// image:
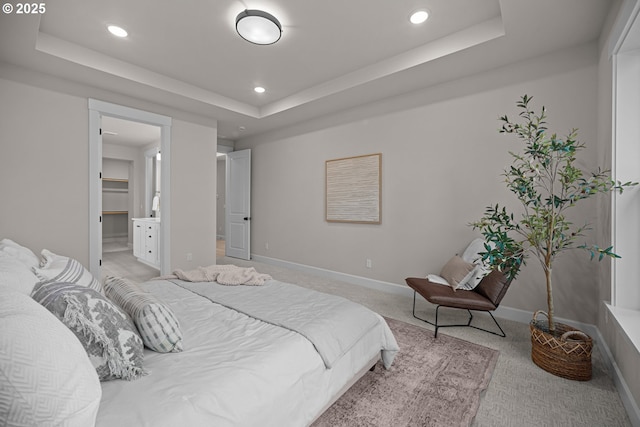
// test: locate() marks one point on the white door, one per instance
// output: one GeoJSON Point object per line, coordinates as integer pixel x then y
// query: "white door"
{"type": "Point", "coordinates": [238, 213]}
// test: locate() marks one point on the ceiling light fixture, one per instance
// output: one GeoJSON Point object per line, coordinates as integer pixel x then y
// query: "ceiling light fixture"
{"type": "Point", "coordinates": [419, 17]}
{"type": "Point", "coordinates": [117, 31]}
{"type": "Point", "coordinates": [258, 27]}
{"type": "Point", "coordinates": [259, 89]}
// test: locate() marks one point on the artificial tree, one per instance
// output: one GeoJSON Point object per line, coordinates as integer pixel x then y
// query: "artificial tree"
{"type": "Point", "coordinates": [547, 184]}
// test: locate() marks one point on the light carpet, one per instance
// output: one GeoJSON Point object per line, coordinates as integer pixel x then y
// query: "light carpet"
{"type": "Point", "coordinates": [519, 394]}
{"type": "Point", "coordinates": [432, 382]}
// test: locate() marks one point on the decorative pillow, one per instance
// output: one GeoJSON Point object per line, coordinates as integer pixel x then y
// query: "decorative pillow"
{"type": "Point", "coordinates": [457, 271]}
{"type": "Point", "coordinates": [15, 276]}
{"type": "Point", "coordinates": [46, 378]}
{"type": "Point", "coordinates": [434, 278]}
{"type": "Point", "coordinates": [58, 268]}
{"type": "Point", "coordinates": [22, 254]}
{"type": "Point", "coordinates": [156, 323]}
{"type": "Point", "coordinates": [472, 254]}
{"type": "Point", "coordinates": [105, 331]}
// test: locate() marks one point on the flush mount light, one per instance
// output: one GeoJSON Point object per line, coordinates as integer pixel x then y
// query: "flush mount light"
{"type": "Point", "coordinates": [419, 17]}
{"type": "Point", "coordinates": [259, 89]}
{"type": "Point", "coordinates": [117, 31]}
{"type": "Point", "coordinates": [259, 27]}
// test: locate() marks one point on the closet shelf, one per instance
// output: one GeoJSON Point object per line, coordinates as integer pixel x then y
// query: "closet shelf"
{"type": "Point", "coordinates": [115, 212]}
{"type": "Point", "coordinates": [115, 179]}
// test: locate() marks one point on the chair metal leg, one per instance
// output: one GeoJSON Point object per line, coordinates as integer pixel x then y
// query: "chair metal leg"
{"type": "Point", "coordinates": [437, 325]}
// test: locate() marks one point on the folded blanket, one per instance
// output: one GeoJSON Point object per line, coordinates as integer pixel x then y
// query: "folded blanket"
{"type": "Point", "coordinates": [223, 274]}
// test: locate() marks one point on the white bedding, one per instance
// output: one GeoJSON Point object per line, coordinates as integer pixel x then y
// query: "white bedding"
{"type": "Point", "coordinates": [235, 371]}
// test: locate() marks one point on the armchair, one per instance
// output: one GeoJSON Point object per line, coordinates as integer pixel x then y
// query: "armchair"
{"type": "Point", "coordinates": [486, 296]}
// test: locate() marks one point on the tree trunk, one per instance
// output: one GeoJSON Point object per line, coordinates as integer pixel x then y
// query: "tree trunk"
{"type": "Point", "coordinates": [552, 325]}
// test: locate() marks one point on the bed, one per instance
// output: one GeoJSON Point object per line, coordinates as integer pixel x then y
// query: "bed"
{"type": "Point", "coordinates": [276, 354]}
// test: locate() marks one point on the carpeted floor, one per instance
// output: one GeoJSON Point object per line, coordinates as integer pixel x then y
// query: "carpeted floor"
{"type": "Point", "coordinates": [432, 382]}
{"type": "Point", "coordinates": [519, 393]}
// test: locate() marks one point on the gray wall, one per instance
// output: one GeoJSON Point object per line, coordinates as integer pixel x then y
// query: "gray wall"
{"type": "Point", "coordinates": [44, 167]}
{"type": "Point", "coordinates": [441, 166]}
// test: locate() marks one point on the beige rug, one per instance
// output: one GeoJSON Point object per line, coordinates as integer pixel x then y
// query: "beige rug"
{"type": "Point", "coordinates": [433, 382]}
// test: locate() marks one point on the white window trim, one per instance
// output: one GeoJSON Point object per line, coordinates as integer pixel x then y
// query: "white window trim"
{"type": "Point", "coordinates": [625, 274]}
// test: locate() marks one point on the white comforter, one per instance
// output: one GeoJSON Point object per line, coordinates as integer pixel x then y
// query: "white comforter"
{"type": "Point", "coordinates": [235, 371]}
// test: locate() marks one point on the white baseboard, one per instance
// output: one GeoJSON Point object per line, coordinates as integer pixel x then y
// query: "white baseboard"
{"type": "Point", "coordinates": [343, 277]}
{"type": "Point", "coordinates": [517, 315]}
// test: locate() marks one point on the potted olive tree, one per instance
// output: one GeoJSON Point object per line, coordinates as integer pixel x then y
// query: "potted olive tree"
{"type": "Point", "coordinates": [547, 184]}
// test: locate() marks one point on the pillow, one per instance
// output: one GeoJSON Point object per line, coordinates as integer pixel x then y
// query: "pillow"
{"type": "Point", "coordinates": [46, 377]}
{"type": "Point", "coordinates": [472, 254]}
{"type": "Point", "coordinates": [15, 276]}
{"type": "Point", "coordinates": [58, 268]}
{"type": "Point", "coordinates": [457, 271]}
{"type": "Point", "coordinates": [105, 331]}
{"type": "Point", "coordinates": [434, 278]}
{"type": "Point", "coordinates": [156, 323]}
{"type": "Point", "coordinates": [22, 254]}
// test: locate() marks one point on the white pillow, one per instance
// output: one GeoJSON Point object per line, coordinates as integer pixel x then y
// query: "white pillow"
{"type": "Point", "coordinates": [439, 280]}
{"type": "Point", "coordinates": [22, 254]}
{"type": "Point", "coordinates": [46, 376]}
{"type": "Point", "coordinates": [471, 254]}
{"type": "Point", "coordinates": [58, 268]}
{"type": "Point", "coordinates": [15, 276]}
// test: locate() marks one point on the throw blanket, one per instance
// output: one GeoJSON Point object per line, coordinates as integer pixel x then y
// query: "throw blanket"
{"type": "Point", "coordinates": [332, 324]}
{"type": "Point", "coordinates": [223, 274]}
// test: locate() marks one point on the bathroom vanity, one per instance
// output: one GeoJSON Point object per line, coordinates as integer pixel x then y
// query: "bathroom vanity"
{"type": "Point", "coordinates": [146, 241]}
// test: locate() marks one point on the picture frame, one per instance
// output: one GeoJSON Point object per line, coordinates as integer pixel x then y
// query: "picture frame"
{"type": "Point", "coordinates": [353, 189]}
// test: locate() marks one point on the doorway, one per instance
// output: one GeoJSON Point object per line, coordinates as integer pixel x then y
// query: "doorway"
{"type": "Point", "coordinates": [221, 203]}
{"type": "Point", "coordinates": [130, 185]}
{"type": "Point", "coordinates": [102, 116]}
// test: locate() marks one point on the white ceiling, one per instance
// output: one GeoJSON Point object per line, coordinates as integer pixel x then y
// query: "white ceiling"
{"type": "Point", "coordinates": [129, 133]}
{"type": "Point", "coordinates": [333, 56]}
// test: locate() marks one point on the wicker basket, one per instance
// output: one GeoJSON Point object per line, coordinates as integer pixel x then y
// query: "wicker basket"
{"type": "Point", "coordinates": [566, 354]}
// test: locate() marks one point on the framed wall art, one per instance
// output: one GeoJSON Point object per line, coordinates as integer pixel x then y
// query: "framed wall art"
{"type": "Point", "coordinates": [353, 189]}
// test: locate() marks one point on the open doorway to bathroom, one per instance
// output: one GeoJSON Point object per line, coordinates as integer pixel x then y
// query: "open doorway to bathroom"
{"type": "Point", "coordinates": [130, 189]}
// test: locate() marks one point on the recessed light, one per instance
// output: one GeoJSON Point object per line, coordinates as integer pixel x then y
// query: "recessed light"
{"type": "Point", "coordinates": [259, 89]}
{"type": "Point", "coordinates": [117, 31]}
{"type": "Point", "coordinates": [419, 17]}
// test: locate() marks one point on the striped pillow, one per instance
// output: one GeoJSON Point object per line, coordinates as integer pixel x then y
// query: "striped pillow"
{"type": "Point", "coordinates": [58, 268]}
{"type": "Point", "coordinates": [156, 323]}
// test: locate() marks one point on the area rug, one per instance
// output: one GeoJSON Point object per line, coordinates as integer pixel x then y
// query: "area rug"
{"type": "Point", "coordinates": [433, 382]}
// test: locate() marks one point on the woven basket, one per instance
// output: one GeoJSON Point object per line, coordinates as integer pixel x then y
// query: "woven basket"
{"type": "Point", "coordinates": [566, 354]}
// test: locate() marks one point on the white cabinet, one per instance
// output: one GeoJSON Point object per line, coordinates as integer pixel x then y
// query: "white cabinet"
{"type": "Point", "coordinates": [146, 241]}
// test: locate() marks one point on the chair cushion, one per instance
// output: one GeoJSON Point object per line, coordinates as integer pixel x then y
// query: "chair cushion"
{"type": "Point", "coordinates": [446, 296]}
{"type": "Point", "coordinates": [493, 286]}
